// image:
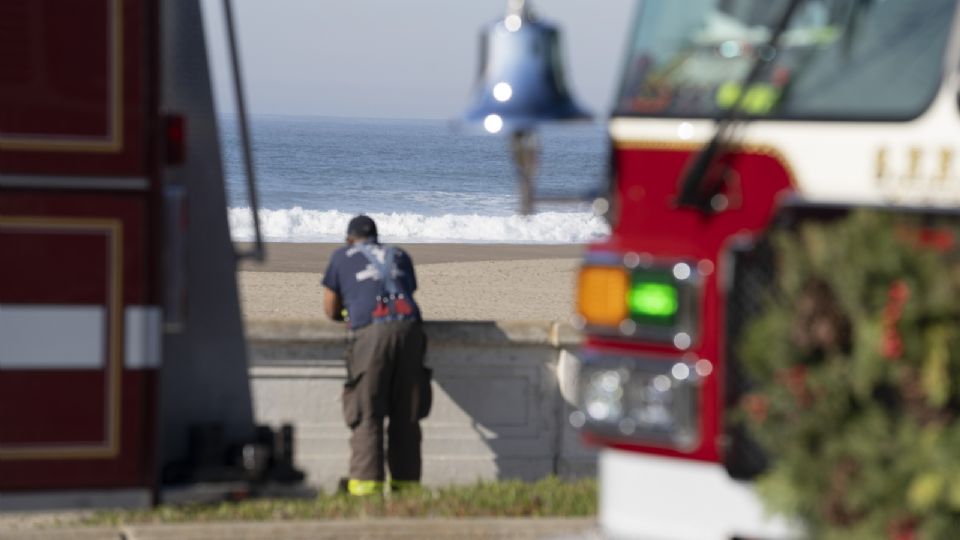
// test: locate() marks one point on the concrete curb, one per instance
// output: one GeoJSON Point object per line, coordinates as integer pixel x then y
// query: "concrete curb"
{"type": "Point", "coordinates": [355, 529]}
{"type": "Point", "coordinates": [486, 333]}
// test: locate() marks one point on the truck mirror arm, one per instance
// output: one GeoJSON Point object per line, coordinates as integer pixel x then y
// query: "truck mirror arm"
{"type": "Point", "coordinates": [258, 252]}
{"type": "Point", "coordinates": [695, 179]}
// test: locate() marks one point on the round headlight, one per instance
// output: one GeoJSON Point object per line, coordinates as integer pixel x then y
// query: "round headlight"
{"type": "Point", "coordinates": [651, 400]}
{"type": "Point", "coordinates": [603, 396]}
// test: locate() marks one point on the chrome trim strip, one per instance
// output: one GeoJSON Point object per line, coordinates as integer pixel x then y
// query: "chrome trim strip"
{"type": "Point", "coordinates": [74, 182]}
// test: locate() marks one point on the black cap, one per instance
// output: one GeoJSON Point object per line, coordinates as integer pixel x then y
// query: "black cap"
{"type": "Point", "coordinates": [362, 227]}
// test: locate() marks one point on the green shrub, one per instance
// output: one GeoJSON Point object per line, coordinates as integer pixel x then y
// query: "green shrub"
{"type": "Point", "coordinates": [857, 365]}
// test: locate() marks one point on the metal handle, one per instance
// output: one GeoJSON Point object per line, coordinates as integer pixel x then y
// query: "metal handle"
{"type": "Point", "coordinates": [258, 252]}
{"type": "Point", "coordinates": [517, 7]}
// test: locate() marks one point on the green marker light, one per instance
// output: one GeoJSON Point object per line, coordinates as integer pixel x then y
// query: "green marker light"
{"type": "Point", "coordinates": [653, 299]}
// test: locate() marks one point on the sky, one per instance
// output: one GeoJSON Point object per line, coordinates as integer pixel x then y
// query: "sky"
{"type": "Point", "coordinates": [397, 58]}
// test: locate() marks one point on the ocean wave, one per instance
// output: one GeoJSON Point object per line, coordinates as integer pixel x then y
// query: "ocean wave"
{"type": "Point", "coordinates": [303, 225]}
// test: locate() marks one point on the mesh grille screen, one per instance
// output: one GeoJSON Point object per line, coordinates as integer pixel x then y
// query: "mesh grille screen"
{"type": "Point", "coordinates": [753, 281]}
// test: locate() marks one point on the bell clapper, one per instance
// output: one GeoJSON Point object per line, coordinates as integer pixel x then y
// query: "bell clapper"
{"type": "Point", "coordinates": [526, 155]}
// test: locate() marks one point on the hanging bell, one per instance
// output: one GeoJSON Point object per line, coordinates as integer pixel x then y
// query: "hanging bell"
{"type": "Point", "coordinates": [521, 77]}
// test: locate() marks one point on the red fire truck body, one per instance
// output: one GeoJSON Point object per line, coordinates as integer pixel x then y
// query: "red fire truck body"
{"type": "Point", "coordinates": [836, 120]}
{"type": "Point", "coordinates": [79, 296]}
{"type": "Point", "coordinates": [102, 366]}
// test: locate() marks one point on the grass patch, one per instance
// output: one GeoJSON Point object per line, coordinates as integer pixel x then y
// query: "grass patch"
{"type": "Point", "coordinates": [550, 497]}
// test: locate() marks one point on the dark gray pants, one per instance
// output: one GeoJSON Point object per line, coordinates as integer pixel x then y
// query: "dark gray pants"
{"type": "Point", "coordinates": [386, 379]}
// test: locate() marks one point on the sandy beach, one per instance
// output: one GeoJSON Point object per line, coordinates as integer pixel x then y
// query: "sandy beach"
{"type": "Point", "coordinates": [457, 281]}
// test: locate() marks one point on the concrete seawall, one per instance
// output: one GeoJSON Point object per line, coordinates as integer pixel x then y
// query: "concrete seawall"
{"type": "Point", "coordinates": [499, 409]}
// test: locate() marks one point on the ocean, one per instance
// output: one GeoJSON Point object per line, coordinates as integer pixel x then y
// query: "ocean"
{"type": "Point", "coordinates": [421, 180]}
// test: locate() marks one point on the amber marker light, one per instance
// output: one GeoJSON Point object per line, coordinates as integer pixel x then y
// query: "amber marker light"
{"type": "Point", "coordinates": [602, 295]}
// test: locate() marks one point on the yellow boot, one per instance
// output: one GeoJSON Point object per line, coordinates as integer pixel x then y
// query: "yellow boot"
{"type": "Point", "coordinates": [364, 488]}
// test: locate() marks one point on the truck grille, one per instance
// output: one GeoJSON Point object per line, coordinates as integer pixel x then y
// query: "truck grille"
{"type": "Point", "coordinates": [753, 280]}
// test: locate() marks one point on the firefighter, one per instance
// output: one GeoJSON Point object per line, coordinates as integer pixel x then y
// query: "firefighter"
{"type": "Point", "coordinates": [386, 376]}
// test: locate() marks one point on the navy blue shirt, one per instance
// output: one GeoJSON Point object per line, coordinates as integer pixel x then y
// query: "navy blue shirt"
{"type": "Point", "coordinates": [351, 275]}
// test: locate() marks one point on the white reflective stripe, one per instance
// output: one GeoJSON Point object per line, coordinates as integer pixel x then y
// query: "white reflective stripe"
{"type": "Point", "coordinates": [52, 336]}
{"type": "Point", "coordinates": [143, 332]}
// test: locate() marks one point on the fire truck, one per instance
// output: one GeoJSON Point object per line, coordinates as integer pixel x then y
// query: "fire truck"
{"type": "Point", "coordinates": [122, 353]}
{"type": "Point", "coordinates": [731, 114]}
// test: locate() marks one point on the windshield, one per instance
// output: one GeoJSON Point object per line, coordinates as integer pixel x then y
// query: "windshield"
{"type": "Point", "coordinates": [838, 59]}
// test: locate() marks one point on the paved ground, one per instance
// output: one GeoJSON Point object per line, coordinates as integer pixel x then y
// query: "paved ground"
{"type": "Point", "coordinates": [32, 528]}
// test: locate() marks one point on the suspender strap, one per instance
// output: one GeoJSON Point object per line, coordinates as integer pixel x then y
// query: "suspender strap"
{"type": "Point", "coordinates": [386, 269]}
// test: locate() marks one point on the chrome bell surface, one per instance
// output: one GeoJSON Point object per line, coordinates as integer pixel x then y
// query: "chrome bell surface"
{"type": "Point", "coordinates": [521, 80]}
